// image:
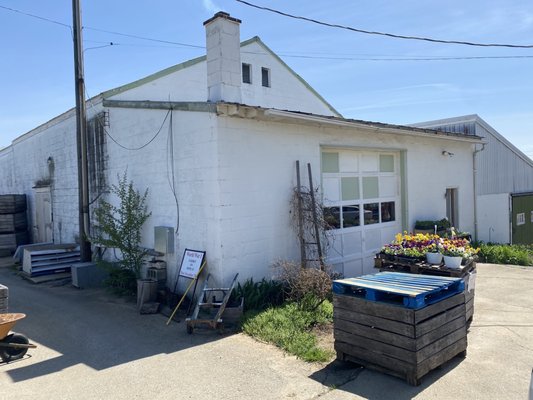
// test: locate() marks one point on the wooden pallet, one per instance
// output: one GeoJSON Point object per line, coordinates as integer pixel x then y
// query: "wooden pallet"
{"type": "Point", "coordinates": [384, 262]}
{"type": "Point", "coordinates": [406, 290]}
{"type": "Point", "coordinates": [399, 341]}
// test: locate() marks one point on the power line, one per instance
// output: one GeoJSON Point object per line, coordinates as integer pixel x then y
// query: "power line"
{"type": "Point", "coordinates": [101, 30]}
{"type": "Point", "coordinates": [37, 17]}
{"type": "Point", "coordinates": [145, 38]}
{"type": "Point", "coordinates": [392, 35]}
{"type": "Point", "coordinates": [99, 47]}
{"type": "Point", "coordinates": [284, 54]}
{"type": "Point", "coordinates": [402, 58]}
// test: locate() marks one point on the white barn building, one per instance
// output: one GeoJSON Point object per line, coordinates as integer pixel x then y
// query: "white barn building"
{"type": "Point", "coordinates": [503, 182]}
{"type": "Point", "coordinates": [219, 161]}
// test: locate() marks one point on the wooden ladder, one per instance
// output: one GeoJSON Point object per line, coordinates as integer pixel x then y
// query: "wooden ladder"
{"type": "Point", "coordinates": [314, 240]}
{"type": "Point", "coordinates": [207, 301]}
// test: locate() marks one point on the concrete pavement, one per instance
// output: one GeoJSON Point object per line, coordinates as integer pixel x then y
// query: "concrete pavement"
{"type": "Point", "coordinates": [95, 346]}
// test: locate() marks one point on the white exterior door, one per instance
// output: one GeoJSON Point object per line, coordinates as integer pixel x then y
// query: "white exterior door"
{"type": "Point", "coordinates": [361, 197]}
{"type": "Point", "coordinates": [43, 228]}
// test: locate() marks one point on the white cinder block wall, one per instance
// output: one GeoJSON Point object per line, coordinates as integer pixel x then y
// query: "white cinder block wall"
{"type": "Point", "coordinates": [47, 153]}
{"type": "Point", "coordinates": [7, 177]}
{"type": "Point", "coordinates": [257, 177]}
{"type": "Point", "coordinates": [195, 175]}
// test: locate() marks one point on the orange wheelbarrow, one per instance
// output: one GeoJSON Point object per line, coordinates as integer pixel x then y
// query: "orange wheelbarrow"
{"type": "Point", "coordinates": [12, 345]}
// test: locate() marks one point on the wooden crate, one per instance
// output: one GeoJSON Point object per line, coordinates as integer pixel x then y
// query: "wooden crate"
{"type": "Point", "coordinates": [403, 342]}
{"type": "Point", "coordinates": [12, 203]}
{"type": "Point", "coordinates": [10, 223]}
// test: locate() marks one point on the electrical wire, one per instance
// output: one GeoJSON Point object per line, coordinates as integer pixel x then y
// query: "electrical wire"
{"type": "Point", "coordinates": [98, 47]}
{"type": "Point", "coordinates": [402, 58]}
{"type": "Point", "coordinates": [172, 183]}
{"type": "Point", "coordinates": [289, 54]}
{"type": "Point", "coordinates": [391, 35]}
{"type": "Point", "coordinates": [144, 145]}
{"type": "Point", "coordinates": [101, 30]}
{"type": "Point", "coordinates": [89, 100]}
{"type": "Point", "coordinates": [144, 38]}
{"type": "Point", "coordinates": [37, 17]}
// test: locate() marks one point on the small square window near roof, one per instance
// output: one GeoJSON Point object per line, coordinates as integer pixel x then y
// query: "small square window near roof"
{"type": "Point", "coordinates": [246, 73]}
{"type": "Point", "coordinates": [265, 77]}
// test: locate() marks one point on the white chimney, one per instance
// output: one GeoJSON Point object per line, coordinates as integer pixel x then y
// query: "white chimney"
{"type": "Point", "coordinates": [223, 58]}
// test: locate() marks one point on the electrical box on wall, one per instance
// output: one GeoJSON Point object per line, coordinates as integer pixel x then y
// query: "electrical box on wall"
{"type": "Point", "coordinates": [164, 239]}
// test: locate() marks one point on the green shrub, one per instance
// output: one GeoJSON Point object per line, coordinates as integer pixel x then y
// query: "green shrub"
{"type": "Point", "coordinates": [120, 281]}
{"type": "Point", "coordinates": [259, 295]}
{"type": "Point", "coordinates": [119, 226]}
{"type": "Point", "coordinates": [289, 327]}
{"type": "Point", "coordinates": [442, 224]}
{"type": "Point", "coordinates": [505, 254]}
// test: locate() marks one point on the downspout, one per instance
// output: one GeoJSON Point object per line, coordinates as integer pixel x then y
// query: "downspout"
{"type": "Point", "coordinates": [474, 168]}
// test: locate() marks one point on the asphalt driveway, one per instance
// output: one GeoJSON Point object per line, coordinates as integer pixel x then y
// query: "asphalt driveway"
{"type": "Point", "coordinates": [95, 346]}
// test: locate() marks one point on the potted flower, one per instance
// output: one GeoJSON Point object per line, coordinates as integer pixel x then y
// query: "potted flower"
{"type": "Point", "coordinates": [434, 251]}
{"type": "Point", "coordinates": [455, 250]}
{"type": "Point", "coordinates": [409, 247]}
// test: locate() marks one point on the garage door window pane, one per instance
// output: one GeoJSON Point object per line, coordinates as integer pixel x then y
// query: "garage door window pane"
{"type": "Point", "coordinates": [350, 216]}
{"type": "Point", "coordinates": [350, 188]}
{"type": "Point", "coordinates": [332, 217]}
{"type": "Point", "coordinates": [371, 213]}
{"type": "Point", "coordinates": [370, 187]}
{"type": "Point", "coordinates": [388, 212]}
{"type": "Point", "coordinates": [330, 162]}
{"type": "Point", "coordinates": [386, 163]}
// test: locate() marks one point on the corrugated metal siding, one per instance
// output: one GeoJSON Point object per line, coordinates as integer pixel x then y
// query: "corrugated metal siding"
{"type": "Point", "coordinates": [468, 128]}
{"type": "Point", "coordinates": [501, 170]}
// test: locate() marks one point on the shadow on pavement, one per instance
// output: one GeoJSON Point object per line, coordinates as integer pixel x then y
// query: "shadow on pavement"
{"type": "Point", "coordinates": [355, 379]}
{"type": "Point", "coordinates": [90, 326]}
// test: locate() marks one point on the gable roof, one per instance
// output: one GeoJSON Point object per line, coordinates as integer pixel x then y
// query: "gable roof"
{"type": "Point", "coordinates": [197, 60]}
{"type": "Point", "coordinates": [477, 120]}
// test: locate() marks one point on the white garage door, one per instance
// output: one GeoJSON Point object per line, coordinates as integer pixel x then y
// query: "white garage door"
{"type": "Point", "coordinates": [361, 197]}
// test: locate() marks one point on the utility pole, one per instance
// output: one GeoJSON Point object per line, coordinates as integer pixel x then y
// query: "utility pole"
{"type": "Point", "coordinates": [81, 135]}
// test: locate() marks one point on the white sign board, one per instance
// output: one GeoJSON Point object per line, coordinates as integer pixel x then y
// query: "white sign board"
{"type": "Point", "coordinates": [191, 262]}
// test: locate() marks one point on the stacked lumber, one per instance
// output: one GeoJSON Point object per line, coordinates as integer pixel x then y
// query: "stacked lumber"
{"type": "Point", "coordinates": [13, 223]}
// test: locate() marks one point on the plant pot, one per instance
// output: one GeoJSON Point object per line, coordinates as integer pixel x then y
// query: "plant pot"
{"type": "Point", "coordinates": [434, 258]}
{"type": "Point", "coordinates": [453, 262]}
{"type": "Point", "coordinates": [146, 291]}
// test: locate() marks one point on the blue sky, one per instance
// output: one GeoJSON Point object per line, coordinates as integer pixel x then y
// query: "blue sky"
{"type": "Point", "coordinates": [36, 67]}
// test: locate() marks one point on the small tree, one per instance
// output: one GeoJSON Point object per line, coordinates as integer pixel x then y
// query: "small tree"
{"type": "Point", "coordinates": [119, 227]}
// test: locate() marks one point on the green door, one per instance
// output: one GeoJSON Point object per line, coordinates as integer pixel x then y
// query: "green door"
{"type": "Point", "coordinates": [522, 218]}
